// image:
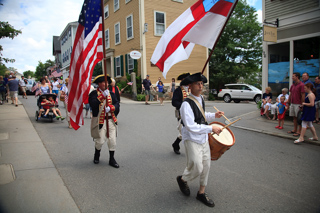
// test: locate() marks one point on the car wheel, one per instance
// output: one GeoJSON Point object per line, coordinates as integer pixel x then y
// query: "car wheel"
{"type": "Point", "coordinates": [227, 98]}
{"type": "Point", "coordinates": [257, 98]}
{"type": "Point", "coordinates": [236, 101]}
{"type": "Point", "coordinates": [37, 115]}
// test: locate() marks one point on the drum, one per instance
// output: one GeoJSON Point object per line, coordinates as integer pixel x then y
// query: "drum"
{"type": "Point", "coordinates": [219, 144]}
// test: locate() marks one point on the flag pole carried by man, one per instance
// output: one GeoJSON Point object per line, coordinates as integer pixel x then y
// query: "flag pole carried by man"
{"type": "Point", "coordinates": [201, 24]}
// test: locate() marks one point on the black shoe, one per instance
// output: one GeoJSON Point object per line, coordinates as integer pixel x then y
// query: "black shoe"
{"type": "Point", "coordinates": [113, 163]}
{"type": "Point", "coordinates": [204, 199]}
{"type": "Point", "coordinates": [176, 146]}
{"type": "Point", "coordinates": [96, 156]}
{"type": "Point", "coordinates": [184, 188]}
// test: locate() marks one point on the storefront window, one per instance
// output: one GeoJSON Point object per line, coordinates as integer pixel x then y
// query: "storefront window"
{"type": "Point", "coordinates": [278, 67]}
{"type": "Point", "coordinates": [306, 57]}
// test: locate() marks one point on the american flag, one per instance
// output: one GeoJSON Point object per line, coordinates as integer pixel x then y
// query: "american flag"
{"type": "Point", "coordinates": [34, 87]}
{"type": "Point", "coordinates": [57, 73]}
{"type": "Point", "coordinates": [130, 83]}
{"type": "Point", "coordinates": [87, 51]}
{"type": "Point", "coordinates": [37, 92]}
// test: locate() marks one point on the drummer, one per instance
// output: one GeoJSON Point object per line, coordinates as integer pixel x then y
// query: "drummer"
{"type": "Point", "coordinates": [195, 137]}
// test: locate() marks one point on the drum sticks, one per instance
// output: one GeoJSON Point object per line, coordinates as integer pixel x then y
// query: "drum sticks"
{"type": "Point", "coordinates": [222, 115]}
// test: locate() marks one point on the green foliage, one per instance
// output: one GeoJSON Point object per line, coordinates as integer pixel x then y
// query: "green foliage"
{"type": "Point", "coordinates": [7, 31]}
{"type": "Point", "coordinates": [239, 49]}
{"type": "Point", "coordinates": [3, 69]}
{"type": "Point", "coordinates": [259, 104]}
{"type": "Point", "coordinates": [141, 97]}
{"type": "Point", "coordinates": [211, 97]}
{"type": "Point", "coordinates": [41, 69]}
{"type": "Point", "coordinates": [28, 73]}
{"type": "Point", "coordinates": [97, 69]}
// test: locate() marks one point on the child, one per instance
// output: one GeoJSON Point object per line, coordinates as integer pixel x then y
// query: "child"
{"type": "Point", "coordinates": [44, 107]}
{"type": "Point", "coordinates": [267, 108]}
{"type": "Point", "coordinates": [281, 110]}
{"type": "Point", "coordinates": [54, 109]}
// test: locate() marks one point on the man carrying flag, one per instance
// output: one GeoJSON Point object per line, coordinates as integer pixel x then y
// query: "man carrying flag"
{"type": "Point", "coordinates": [201, 24]}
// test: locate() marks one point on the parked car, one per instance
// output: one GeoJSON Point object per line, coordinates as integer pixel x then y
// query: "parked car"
{"type": "Point", "coordinates": [240, 92]}
{"type": "Point", "coordinates": [29, 87]}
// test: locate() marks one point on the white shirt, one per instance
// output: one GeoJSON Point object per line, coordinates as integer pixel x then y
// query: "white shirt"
{"type": "Point", "coordinates": [191, 130]}
{"type": "Point", "coordinates": [65, 90]}
{"type": "Point", "coordinates": [54, 85]}
{"type": "Point", "coordinates": [22, 83]}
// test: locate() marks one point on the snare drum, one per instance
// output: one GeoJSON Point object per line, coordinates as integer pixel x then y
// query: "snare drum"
{"type": "Point", "coordinates": [219, 144]}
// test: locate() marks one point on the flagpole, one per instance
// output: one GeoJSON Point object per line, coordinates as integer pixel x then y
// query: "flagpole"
{"type": "Point", "coordinates": [103, 45]}
{"type": "Point", "coordinates": [230, 12]}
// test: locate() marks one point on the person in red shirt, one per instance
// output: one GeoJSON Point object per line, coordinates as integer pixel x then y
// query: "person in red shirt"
{"type": "Point", "coordinates": [296, 97]}
{"type": "Point", "coordinates": [54, 109]}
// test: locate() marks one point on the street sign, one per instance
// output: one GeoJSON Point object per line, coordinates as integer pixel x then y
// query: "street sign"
{"type": "Point", "coordinates": [135, 54]}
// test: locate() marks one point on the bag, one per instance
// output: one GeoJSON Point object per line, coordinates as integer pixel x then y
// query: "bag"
{"type": "Point", "coordinates": [62, 97]}
{"type": "Point", "coordinates": [163, 91]}
{"type": "Point", "coordinates": [299, 117]}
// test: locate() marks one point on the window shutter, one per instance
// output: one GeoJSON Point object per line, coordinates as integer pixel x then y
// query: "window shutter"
{"type": "Point", "coordinates": [114, 67]}
{"type": "Point", "coordinates": [135, 64]}
{"type": "Point", "coordinates": [121, 64]}
{"type": "Point", "coordinates": [126, 62]}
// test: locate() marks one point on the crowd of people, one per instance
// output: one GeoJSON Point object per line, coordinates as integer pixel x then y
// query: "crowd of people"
{"type": "Point", "coordinates": [303, 104]}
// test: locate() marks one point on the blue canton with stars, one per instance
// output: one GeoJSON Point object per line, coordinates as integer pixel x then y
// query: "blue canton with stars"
{"type": "Point", "coordinates": [89, 16]}
{"type": "Point", "coordinates": [208, 4]}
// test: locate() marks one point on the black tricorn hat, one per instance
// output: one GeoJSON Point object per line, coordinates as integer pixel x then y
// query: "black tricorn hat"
{"type": "Point", "coordinates": [182, 76]}
{"type": "Point", "coordinates": [100, 78]}
{"type": "Point", "coordinates": [194, 78]}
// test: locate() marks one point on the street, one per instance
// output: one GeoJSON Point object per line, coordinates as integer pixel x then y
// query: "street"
{"type": "Point", "coordinates": [259, 173]}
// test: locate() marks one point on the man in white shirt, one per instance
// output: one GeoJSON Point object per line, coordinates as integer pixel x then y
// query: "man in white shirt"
{"type": "Point", "coordinates": [195, 132]}
{"type": "Point", "coordinates": [22, 85]}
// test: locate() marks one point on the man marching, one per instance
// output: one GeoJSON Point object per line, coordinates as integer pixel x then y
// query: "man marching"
{"type": "Point", "coordinates": [105, 108]}
{"type": "Point", "coordinates": [179, 95]}
{"type": "Point", "coordinates": [195, 137]}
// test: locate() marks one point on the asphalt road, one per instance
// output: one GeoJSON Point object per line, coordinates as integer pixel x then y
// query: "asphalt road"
{"type": "Point", "coordinates": [260, 173]}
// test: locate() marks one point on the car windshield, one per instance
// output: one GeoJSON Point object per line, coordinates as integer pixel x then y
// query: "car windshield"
{"type": "Point", "coordinates": [253, 88]}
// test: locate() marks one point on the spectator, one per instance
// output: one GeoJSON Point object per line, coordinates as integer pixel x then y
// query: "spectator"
{"type": "Point", "coordinates": [22, 85]}
{"type": "Point", "coordinates": [6, 80]}
{"type": "Point", "coordinates": [172, 87]}
{"type": "Point", "coordinates": [266, 102]}
{"type": "Point", "coordinates": [281, 110]}
{"type": "Point", "coordinates": [55, 86]}
{"type": "Point", "coordinates": [305, 79]}
{"type": "Point", "coordinates": [159, 79]}
{"type": "Point", "coordinates": [44, 87]}
{"type": "Point", "coordinates": [317, 103]}
{"type": "Point", "coordinates": [274, 106]}
{"type": "Point", "coordinates": [160, 92]}
{"type": "Point", "coordinates": [3, 88]}
{"type": "Point", "coordinates": [296, 97]}
{"type": "Point", "coordinates": [309, 111]}
{"type": "Point", "coordinates": [146, 84]}
{"type": "Point", "coordinates": [13, 88]}
{"type": "Point", "coordinates": [64, 96]}
{"type": "Point", "coordinates": [115, 89]}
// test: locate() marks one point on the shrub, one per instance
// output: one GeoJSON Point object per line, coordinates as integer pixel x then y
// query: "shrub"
{"type": "Point", "coordinates": [259, 104]}
{"type": "Point", "coordinates": [141, 97]}
{"type": "Point", "coordinates": [211, 97]}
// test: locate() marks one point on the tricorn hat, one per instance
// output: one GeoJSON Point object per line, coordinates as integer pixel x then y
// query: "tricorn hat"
{"type": "Point", "coordinates": [100, 78]}
{"type": "Point", "coordinates": [182, 76]}
{"type": "Point", "coordinates": [194, 78]}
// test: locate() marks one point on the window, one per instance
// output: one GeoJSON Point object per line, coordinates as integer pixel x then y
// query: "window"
{"type": "Point", "coordinates": [70, 33]}
{"type": "Point", "coordinates": [118, 66]}
{"type": "Point", "coordinates": [116, 5]}
{"type": "Point", "coordinates": [117, 33]}
{"type": "Point", "coordinates": [129, 27]}
{"type": "Point", "coordinates": [127, 1]}
{"type": "Point", "coordinates": [70, 52]}
{"type": "Point", "coordinates": [106, 34]}
{"type": "Point", "coordinates": [106, 11]}
{"type": "Point", "coordinates": [159, 23]}
{"type": "Point", "coordinates": [130, 63]}
{"type": "Point", "coordinates": [178, 1]}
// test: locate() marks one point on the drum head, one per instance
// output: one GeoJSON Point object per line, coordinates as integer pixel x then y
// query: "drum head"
{"type": "Point", "coordinates": [226, 137]}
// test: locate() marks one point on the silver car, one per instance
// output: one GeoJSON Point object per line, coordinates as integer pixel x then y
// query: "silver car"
{"type": "Point", "coordinates": [29, 86]}
{"type": "Point", "coordinates": [240, 92]}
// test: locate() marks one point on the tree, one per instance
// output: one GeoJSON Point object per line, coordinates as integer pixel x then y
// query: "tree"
{"type": "Point", "coordinates": [97, 69]}
{"type": "Point", "coordinates": [6, 30]}
{"type": "Point", "coordinates": [41, 69]}
{"type": "Point", "coordinates": [3, 69]}
{"type": "Point", "coordinates": [28, 73]}
{"type": "Point", "coordinates": [239, 49]}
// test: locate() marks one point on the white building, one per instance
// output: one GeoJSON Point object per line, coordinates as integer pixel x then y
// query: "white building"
{"type": "Point", "coordinates": [297, 45]}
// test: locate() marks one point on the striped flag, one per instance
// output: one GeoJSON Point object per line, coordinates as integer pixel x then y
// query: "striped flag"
{"type": "Point", "coordinates": [200, 24]}
{"type": "Point", "coordinates": [87, 51]}
{"type": "Point", "coordinates": [57, 73]}
{"type": "Point", "coordinates": [37, 92]}
{"type": "Point", "coordinates": [130, 83]}
{"type": "Point", "coordinates": [34, 87]}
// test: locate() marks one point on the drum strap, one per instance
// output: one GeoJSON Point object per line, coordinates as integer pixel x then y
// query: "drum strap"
{"type": "Point", "coordinates": [199, 106]}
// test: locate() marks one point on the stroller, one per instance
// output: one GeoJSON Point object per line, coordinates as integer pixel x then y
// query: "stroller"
{"type": "Point", "coordinates": [50, 115]}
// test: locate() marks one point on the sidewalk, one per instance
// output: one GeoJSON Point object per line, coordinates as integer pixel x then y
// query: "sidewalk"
{"type": "Point", "coordinates": [29, 181]}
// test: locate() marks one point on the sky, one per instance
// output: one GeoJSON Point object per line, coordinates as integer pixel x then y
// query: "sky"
{"type": "Point", "coordinates": [39, 21]}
